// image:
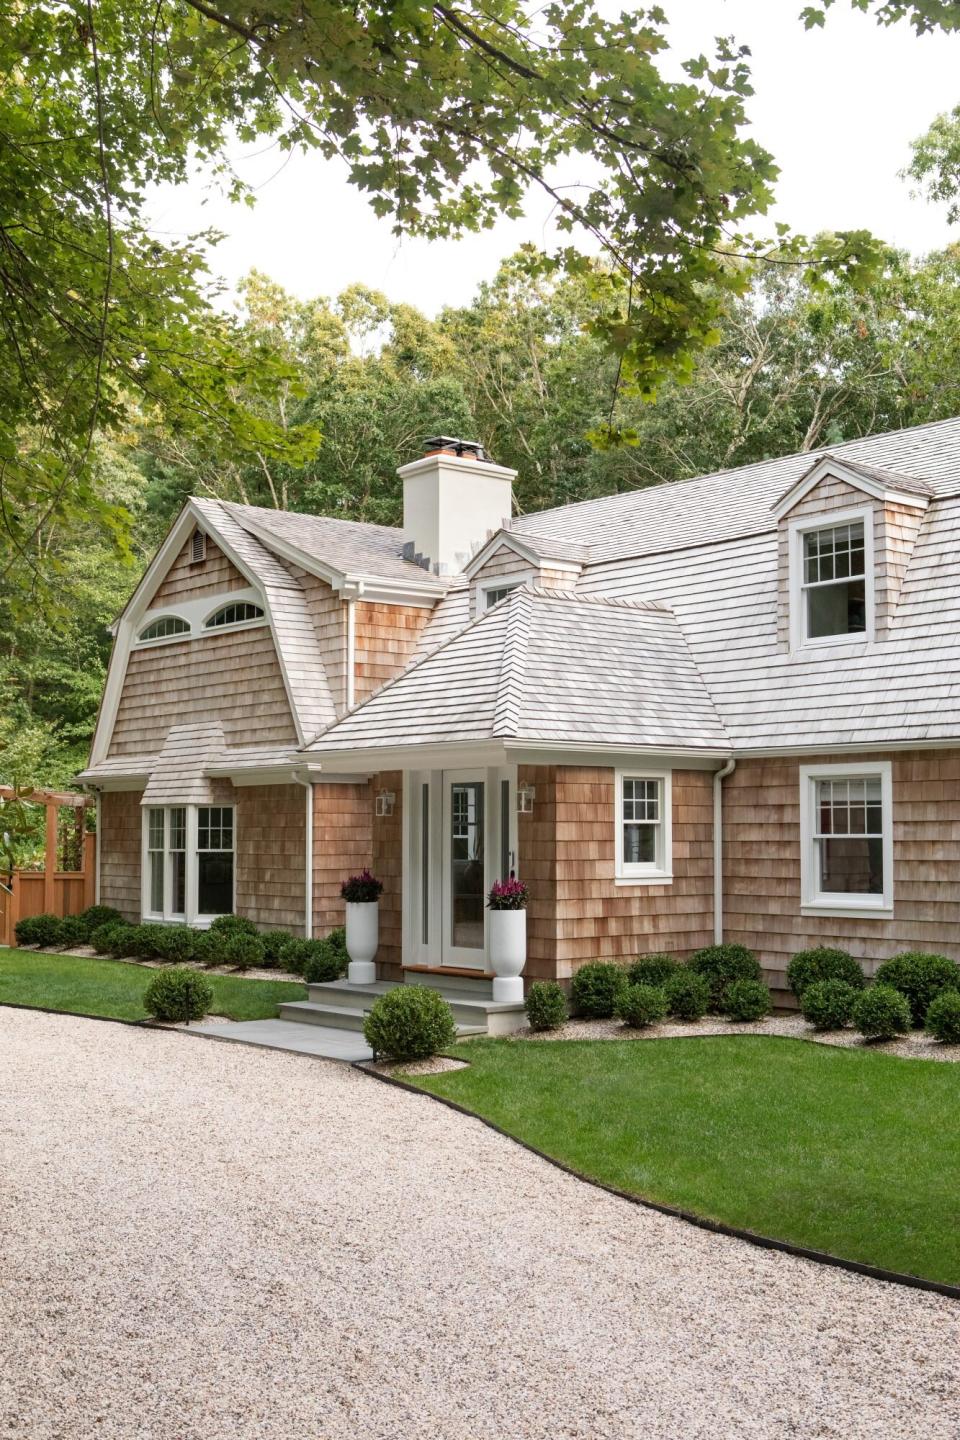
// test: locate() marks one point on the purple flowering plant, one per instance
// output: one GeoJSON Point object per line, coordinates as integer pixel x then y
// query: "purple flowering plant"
{"type": "Point", "coordinates": [361, 889]}
{"type": "Point", "coordinates": [508, 895]}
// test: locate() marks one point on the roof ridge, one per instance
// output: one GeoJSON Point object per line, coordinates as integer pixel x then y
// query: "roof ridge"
{"type": "Point", "coordinates": [506, 711]}
{"type": "Point", "coordinates": [613, 602]}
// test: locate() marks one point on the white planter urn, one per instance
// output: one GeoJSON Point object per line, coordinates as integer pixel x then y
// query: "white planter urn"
{"type": "Point", "coordinates": [508, 954]}
{"type": "Point", "coordinates": [363, 937]}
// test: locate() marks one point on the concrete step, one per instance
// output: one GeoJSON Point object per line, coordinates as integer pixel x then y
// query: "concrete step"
{"type": "Point", "coordinates": [337, 1017]}
{"type": "Point", "coordinates": [473, 987]}
{"type": "Point", "coordinates": [341, 1003]}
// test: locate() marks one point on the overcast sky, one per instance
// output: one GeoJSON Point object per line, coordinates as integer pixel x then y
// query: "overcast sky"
{"type": "Point", "coordinates": [836, 107]}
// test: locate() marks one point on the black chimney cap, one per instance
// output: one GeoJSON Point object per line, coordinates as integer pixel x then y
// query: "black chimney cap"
{"type": "Point", "coordinates": [459, 447]}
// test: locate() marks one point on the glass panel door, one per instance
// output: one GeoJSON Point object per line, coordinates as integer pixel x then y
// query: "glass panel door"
{"type": "Point", "coordinates": [467, 889]}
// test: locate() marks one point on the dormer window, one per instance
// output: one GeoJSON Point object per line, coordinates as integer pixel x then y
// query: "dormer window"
{"type": "Point", "coordinates": [241, 613]}
{"type": "Point", "coordinates": [832, 580]}
{"type": "Point", "coordinates": [496, 593]}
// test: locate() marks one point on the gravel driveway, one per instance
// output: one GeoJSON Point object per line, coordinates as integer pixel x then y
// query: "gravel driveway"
{"type": "Point", "coordinates": [204, 1240]}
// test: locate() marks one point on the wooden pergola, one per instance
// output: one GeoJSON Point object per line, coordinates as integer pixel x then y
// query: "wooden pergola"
{"type": "Point", "coordinates": [50, 890]}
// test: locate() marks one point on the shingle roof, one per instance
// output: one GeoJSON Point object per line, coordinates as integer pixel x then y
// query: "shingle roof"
{"type": "Point", "coordinates": [352, 547]}
{"type": "Point", "coordinates": [549, 666]}
{"type": "Point", "coordinates": [179, 774]}
{"type": "Point", "coordinates": [732, 503]}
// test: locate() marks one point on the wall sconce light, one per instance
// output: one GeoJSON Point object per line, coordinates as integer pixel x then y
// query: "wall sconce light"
{"type": "Point", "coordinates": [385, 802]}
{"type": "Point", "coordinates": [526, 795]}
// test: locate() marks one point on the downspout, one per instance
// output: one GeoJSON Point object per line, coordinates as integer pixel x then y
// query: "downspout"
{"type": "Point", "coordinates": [351, 653]}
{"type": "Point", "coordinates": [307, 783]}
{"type": "Point", "coordinates": [718, 778]}
{"type": "Point", "coordinates": [96, 853]}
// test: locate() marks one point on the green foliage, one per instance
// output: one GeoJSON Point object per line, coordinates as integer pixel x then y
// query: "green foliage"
{"type": "Point", "coordinates": [746, 1000]}
{"type": "Point", "coordinates": [919, 977]}
{"type": "Point", "coordinates": [275, 943]}
{"type": "Point", "coordinates": [322, 960]}
{"type": "Point", "coordinates": [641, 1005]}
{"type": "Point", "coordinates": [42, 930]}
{"type": "Point", "coordinates": [652, 969]}
{"type": "Point", "coordinates": [232, 925]}
{"type": "Point", "coordinates": [688, 994]}
{"type": "Point", "coordinates": [123, 941]}
{"type": "Point", "coordinates": [209, 948]}
{"type": "Point", "coordinates": [105, 937]}
{"type": "Point", "coordinates": [546, 1005]}
{"type": "Point", "coordinates": [176, 943]}
{"type": "Point", "coordinates": [178, 996]}
{"type": "Point", "coordinates": [828, 1004]}
{"type": "Point", "coordinates": [410, 1022]}
{"type": "Point", "coordinates": [822, 963]}
{"type": "Point", "coordinates": [721, 965]}
{"type": "Point", "coordinates": [147, 940]}
{"type": "Point", "coordinates": [594, 989]}
{"type": "Point", "coordinates": [943, 1017]}
{"type": "Point", "coordinates": [71, 932]}
{"type": "Point", "coordinates": [96, 915]}
{"type": "Point", "coordinates": [880, 1013]}
{"type": "Point", "coordinates": [241, 949]}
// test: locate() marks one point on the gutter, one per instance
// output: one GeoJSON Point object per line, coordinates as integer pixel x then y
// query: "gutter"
{"type": "Point", "coordinates": [718, 778]}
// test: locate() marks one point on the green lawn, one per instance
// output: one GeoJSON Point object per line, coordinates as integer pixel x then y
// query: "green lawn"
{"type": "Point", "coordinates": [853, 1152]}
{"type": "Point", "coordinates": [115, 988]}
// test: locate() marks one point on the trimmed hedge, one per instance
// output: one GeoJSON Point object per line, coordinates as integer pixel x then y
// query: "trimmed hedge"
{"type": "Point", "coordinates": [746, 1000]}
{"type": "Point", "coordinates": [641, 1005]}
{"type": "Point", "coordinates": [242, 950]}
{"type": "Point", "coordinates": [688, 995]}
{"type": "Point", "coordinates": [410, 1022]}
{"type": "Point", "coordinates": [652, 969]}
{"type": "Point", "coordinates": [721, 966]}
{"type": "Point", "coordinates": [41, 930]}
{"type": "Point", "coordinates": [176, 943]}
{"type": "Point", "coordinates": [546, 1005]}
{"type": "Point", "coordinates": [104, 936]}
{"type": "Point", "coordinates": [275, 943]}
{"type": "Point", "coordinates": [828, 1004]}
{"type": "Point", "coordinates": [178, 996]}
{"type": "Point", "coordinates": [810, 966]}
{"type": "Point", "coordinates": [881, 1012]}
{"type": "Point", "coordinates": [97, 915]}
{"type": "Point", "coordinates": [919, 978]}
{"type": "Point", "coordinates": [943, 1017]}
{"type": "Point", "coordinates": [209, 948]}
{"type": "Point", "coordinates": [123, 941]}
{"type": "Point", "coordinates": [316, 960]}
{"type": "Point", "coordinates": [231, 924]}
{"type": "Point", "coordinates": [594, 989]}
{"type": "Point", "coordinates": [72, 931]}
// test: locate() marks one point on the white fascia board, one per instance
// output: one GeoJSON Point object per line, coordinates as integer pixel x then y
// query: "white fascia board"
{"type": "Point", "coordinates": [469, 754]}
{"type": "Point", "coordinates": [526, 552]}
{"type": "Point", "coordinates": [836, 470]}
{"type": "Point", "coordinates": [532, 752]}
{"type": "Point", "coordinates": [833, 747]}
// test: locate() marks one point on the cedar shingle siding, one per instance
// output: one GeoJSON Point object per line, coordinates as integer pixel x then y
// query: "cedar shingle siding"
{"type": "Point", "coordinates": [188, 580]}
{"type": "Point", "coordinates": [120, 842]}
{"type": "Point", "coordinates": [270, 860]}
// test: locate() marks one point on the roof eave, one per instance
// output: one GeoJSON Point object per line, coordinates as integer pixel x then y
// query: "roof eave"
{"type": "Point", "coordinates": [888, 494]}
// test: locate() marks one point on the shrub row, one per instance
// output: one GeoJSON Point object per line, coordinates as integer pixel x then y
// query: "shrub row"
{"type": "Point", "coordinates": [725, 979]}
{"type": "Point", "coordinates": [914, 989]}
{"type": "Point", "coordinates": [230, 941]}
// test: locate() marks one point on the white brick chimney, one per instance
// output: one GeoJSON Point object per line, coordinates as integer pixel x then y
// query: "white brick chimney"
{"type": "Point", "coordinates": [453, 497]}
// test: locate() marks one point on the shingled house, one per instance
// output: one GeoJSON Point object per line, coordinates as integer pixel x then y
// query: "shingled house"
{"type": "Point", "coordinates": [752, 674]}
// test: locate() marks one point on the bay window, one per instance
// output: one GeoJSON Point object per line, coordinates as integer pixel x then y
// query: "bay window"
{"type": "Point", "coordinates": [188, 871]}
{"type": "Point", "coordinates": [643, 827]}
{"type": "Point", "coordinates": [846, 825]}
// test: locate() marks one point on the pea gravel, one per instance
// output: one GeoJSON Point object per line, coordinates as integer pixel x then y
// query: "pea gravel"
{"type": "Point", "coordinates": [213, 1241]}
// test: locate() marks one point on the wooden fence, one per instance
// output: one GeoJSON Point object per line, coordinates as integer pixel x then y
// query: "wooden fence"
{"type": "Point", "coordinates": [52, 890]}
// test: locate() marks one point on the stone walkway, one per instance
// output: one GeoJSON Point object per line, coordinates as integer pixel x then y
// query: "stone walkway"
{"type": "Point", "coordinates": [215, 1242]}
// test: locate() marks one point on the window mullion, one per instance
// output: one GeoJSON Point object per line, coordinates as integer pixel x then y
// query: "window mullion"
{"type": "Point", "coordinates": [191, 864]}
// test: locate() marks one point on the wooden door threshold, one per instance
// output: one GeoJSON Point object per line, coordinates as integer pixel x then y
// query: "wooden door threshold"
{"type": "Point", "coordinates": [463, 972]}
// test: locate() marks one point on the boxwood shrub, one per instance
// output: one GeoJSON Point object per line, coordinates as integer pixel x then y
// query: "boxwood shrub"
{"type": "Point", "coordinates": [242, 950]}
{"type": "Point", "coordinates": [274, 944]}
{"type": "Point", "coordinates": [688, 994]}
{"type": "Point", "coordinates": [746, 1000]}
{"type": "Point", "coordinates": [641, 1005]}
{"type": "Point", "coordinates": [176, 943]}
{"type": "Point", "coordinates": [231, 924]}
{"type": "Point", "coordinates": [943, 1017]}
{"type": "Point", "coordinates": [42, 930]}
{"type": "Point", "coordinates": [209, 948]}
{"type": "Point", "coordinates": [97, 915]}
{"type": "Point", "coordinates": [881, 1012]}
{"type": "Point", "coordinates": [318, 961]}
{"type": "Point", "coordinates": [721, 965]}
{"type": "Point", "coordinates": [410, 1022]}
{"type": "Point", "coordinates": [546, 1005]}
{"type": "Point", "coordinates": [71, 931]}
{"type": "Point", "coordinates": [652, 969]}
{"type": "Point", "coordinates": [103, 937]}
{"type": "Point", "coordinates": [828, 1004]}
{"type": "Point", "coordinates": [822, 963]}
{"type": "Point", "coordinates": [594, 989]}
{"type": "Point", "coordinates": [178, 996]}
{"type": "Point", "coordinates": [919, 977]}
{"type": "Point", "coordinates": [123, 941]}
{"type": "Point", "coordinates": [147, 940]}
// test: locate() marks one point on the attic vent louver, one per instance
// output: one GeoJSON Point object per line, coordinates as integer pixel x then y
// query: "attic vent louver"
{"type": "Point", "coordinates": [198, 547]}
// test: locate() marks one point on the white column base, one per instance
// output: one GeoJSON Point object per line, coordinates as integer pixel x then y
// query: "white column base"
{"type": "Point", "coordinates": [508, 990]}
{"type": "Point", "coordinates": [361, 972]}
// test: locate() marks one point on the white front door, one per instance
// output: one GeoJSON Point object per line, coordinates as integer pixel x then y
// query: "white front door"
{"type": "Point", "coordinates": [460, 838]}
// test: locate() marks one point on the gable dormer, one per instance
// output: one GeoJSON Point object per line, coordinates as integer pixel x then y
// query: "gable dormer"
{"type": "Point", "coordinates": [510, 559]}
{"type": "Point", "coordinates": [846, 532]}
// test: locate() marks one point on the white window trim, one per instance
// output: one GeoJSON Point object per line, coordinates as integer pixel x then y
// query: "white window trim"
{"type": "Point", "coordinates": [797, 529]}
{"type": "Point", "coordinates": [842, 905]}
{"type": "Point", "coordinates": [196, 613]}
{"type": "Point", "coordinates": [209, 629]}
{"type": "Point", "coordinates": [163, 639]}
{"type": "Point", "coordinates": [661, 872]}
{"type": "Point", "coordinates": [498, 582]}
{"type": "Point", "coordinates": [190, 917]}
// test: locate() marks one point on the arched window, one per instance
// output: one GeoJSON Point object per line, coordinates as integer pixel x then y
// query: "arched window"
{"type": "Point", "coordinates": [165, 628]}
{"type": "Point", "coordinates": [235, 614]}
